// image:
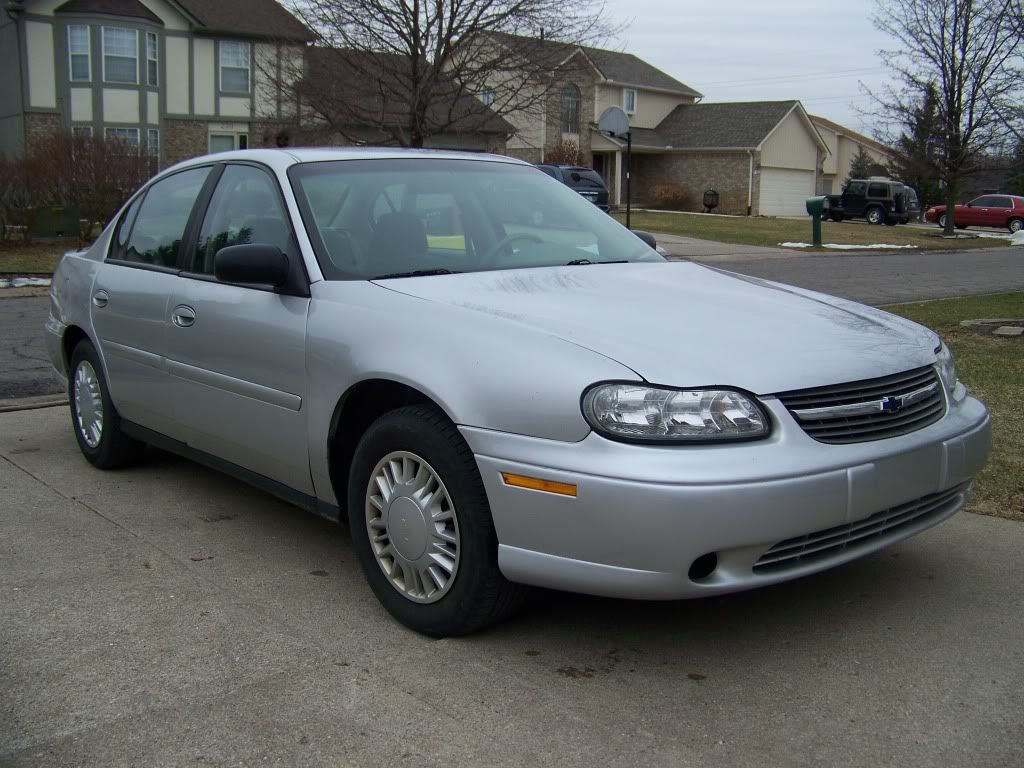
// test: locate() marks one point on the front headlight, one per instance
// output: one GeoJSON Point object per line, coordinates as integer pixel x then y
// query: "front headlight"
{"type": "Point", "coordinates": [640, 413]}
{"type": "Point", "coordinates": [947, 372]}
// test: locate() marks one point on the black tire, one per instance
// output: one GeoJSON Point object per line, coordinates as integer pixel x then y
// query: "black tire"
{"type": "Point", "coordinates": [1015, 225]}
{"type": "Point", "coordinates": [479, 595]}
{"type": "Point", "coordinates": [875, 215]}
{"type": "Point", "coordinates": [114, 448]}
{"type": "Point", "coordinates": [904, 220]}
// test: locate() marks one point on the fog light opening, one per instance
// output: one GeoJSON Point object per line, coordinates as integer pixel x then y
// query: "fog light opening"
{"type": "Point", "coordinates": [703, 566]}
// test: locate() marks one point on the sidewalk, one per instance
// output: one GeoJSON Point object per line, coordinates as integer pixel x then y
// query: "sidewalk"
{"type": "Point", "coordinates": [710, 251]}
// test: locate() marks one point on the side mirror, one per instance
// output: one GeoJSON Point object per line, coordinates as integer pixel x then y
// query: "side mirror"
{"type": "Point", "coordinates": [970, 204]}
{"type": "Point", "coordinates": [647, 237]}
{"type": "Point", "coordinates": [252, 263]}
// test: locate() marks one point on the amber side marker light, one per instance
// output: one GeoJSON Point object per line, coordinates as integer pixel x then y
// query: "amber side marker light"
{"type": "Point", "coordinates": [537, 484]}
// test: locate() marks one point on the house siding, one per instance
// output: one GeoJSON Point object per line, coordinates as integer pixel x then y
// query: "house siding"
{"type": "Point", "coordinates": [790, 145]}
{"type": "Point", "coordinates": [651, 106]}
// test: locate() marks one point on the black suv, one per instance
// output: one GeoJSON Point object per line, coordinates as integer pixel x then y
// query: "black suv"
{"type": "Point", "coordinates": [880, 201]}
{"type": "Point", "coordinates": [586, 181]}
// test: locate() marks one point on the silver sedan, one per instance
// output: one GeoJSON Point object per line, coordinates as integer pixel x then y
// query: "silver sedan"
{"type": "Point", "coordinates": [497, 385]}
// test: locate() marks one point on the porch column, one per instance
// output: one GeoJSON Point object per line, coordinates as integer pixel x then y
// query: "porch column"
{"type": "Point", "coordinates": [618, 177]}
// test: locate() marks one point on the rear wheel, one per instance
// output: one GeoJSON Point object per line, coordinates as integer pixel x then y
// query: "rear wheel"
{"type": "Point", "coordinates": [875, 215]}
{"type": "Point", "coordinates": [942, 221]}
{"type": "Point", "coordinates": [96, 422]}
{"type": "Point", "coordinates": [422, 528]}
{"type": "Point", "coordinates": [1015, 225]}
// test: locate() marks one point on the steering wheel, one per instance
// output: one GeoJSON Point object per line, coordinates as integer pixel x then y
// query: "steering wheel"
{"type": "Point", "coordinates": [489, 257]}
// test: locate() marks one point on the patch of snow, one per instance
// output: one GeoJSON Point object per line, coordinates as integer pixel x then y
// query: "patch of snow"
{"type": "Point", "coordinates": [1017, 238]}
{"type": "Point", "coordinates": [23, 282]}
{"type": "Point", "coordinates": [847, 246]}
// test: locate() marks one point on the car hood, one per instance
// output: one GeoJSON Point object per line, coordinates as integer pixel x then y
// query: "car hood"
{"type": "Point", "coordinates": [683, 324]}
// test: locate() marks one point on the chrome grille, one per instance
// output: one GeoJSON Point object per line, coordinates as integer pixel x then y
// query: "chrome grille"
{"type": "Point", "coordinates": [873, 409]}
{"type": "Point", "coordinates": [823, 545]}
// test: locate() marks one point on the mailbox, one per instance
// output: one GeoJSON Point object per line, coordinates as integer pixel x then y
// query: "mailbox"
{"type": "Point", "coordinates": [710, 199]}
{"type": "Point", "coordinates": [817, 206]}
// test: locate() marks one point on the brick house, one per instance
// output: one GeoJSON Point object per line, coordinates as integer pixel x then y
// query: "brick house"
{"type": "Point", "coordinates": [177, 78]}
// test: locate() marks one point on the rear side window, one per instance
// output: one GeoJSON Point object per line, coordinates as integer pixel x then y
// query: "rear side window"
{"type": "Point", "coordinates": [878, 190]}
{"type": "Point", "coordinates": [157, 232]}
{"type": "Point", "coordinates": [584, 177]}
{"type": "Point", "coordinates": [1000, 202]}
{"type": "Point", "coordinates": [245, 208]}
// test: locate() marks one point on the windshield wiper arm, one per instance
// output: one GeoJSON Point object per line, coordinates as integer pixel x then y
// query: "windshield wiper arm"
{"type": "Point", "coordinates": [417, 273]}
{"type": "Point", "coordinates": [578, 262]}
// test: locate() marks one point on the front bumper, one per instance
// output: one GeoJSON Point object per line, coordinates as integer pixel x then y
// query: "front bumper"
{"type": "Point", "coordinates": [643, 515]}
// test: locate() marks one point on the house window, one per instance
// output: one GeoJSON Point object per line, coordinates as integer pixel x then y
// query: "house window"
{"type": "Point", "coordinates": [153, 141]}
{"type": "Point", "coordinates": [129, 136]}
{"type": "Point", "coordinates": [152, 60]}
{"type": "Point", "coordinates": [570, 109]}
{"type": "Point", "coordinates": [120, 55]}
{"type": "Point", "coordinates": [487, 97]}
{"type": "Point", "coordinates": [629, 100]}
{"type": "Point", "coordinates": [78, 53]}
{"type": "Point", "coordinates": [234, 67]}
{"type": "Point", "coordinates": [81, 131]}
{"type": "Point", "coordinates": [228, 142]}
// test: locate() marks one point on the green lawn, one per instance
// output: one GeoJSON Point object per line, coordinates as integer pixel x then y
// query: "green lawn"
{"type": "Point", "coordinates": [771, 231]}
{"type": "Point", "coordinates": [30, 259]}
{"type": "Point", "coordinates": [992, 367]}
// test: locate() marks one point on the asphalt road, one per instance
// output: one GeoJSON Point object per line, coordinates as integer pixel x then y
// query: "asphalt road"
{"type": "Point", "coordinates": [168, 615]}
{"type": "Point", "coordinates": [873, 279]}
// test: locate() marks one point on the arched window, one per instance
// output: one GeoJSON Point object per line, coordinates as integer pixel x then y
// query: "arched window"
{"type": "Point", "coordinates": [570, 109]}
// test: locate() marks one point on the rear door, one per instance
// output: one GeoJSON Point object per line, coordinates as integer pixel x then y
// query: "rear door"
{"type": "Point", "coordinates": [130, 295]}
{"type": "Point", "coordinates": [853, 199]}
{"type": "Point", "coordinates": [237, 353]}
{"type": "Point", "coordinates": [999, 211]}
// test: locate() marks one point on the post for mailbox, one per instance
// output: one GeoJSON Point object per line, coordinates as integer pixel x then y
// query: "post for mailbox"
{"type": "Point", "coordinates": [817, 207]}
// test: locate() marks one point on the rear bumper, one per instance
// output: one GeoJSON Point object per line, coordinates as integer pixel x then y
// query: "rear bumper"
{"type": "Point", "coordinates": [642, 516]}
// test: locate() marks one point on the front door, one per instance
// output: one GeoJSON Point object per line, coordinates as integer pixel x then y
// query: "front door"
{"type": "Point", "coordinates": [130, 294]}
{"type": "Point", "coordinates": [238, 353]}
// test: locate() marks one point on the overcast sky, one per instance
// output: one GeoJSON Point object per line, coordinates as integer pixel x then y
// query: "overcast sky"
{"type": "Point", "coordinates": [751, 50]}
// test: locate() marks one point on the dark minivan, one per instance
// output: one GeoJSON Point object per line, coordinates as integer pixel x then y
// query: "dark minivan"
{"type": "Point", "coordinates": [586, 181]}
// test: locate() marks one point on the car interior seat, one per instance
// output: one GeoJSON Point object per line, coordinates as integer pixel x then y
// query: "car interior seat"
{"type": "Point", "coordinates": [398, 244]}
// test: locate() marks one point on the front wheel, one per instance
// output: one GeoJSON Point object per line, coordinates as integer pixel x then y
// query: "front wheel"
{"type": "Point", "coordinates": [422, 528]}
{"type": "Point", "coordinates": [875, 216]}
{"type": "Point", "coordinates": [1015, 225]}
{"type": "Point", "coordinates": [942, 221]}
{"type": "Point", "coordinates": [96, 422]}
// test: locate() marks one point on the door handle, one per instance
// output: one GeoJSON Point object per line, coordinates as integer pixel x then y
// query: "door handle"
{"type": "Point", "coordinates": [100, 298]}
{"type": "Point", "coordinates": [183, 316]}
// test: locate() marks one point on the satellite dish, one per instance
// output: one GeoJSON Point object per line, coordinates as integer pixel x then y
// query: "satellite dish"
{"type": "Point", "coordinates": [613, 121]}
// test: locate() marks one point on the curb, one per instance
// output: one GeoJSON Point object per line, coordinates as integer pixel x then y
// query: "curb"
{"type": "Point", "coordinates": [32, 403]}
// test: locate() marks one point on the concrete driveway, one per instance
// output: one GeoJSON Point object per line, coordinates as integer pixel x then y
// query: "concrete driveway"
{"type": "Point", "coordinates": [168, 615]}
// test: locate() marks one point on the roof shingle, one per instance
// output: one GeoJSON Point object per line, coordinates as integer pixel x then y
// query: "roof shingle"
{"type": "Point", "coordinates": [246, 18]}
{"type": "Point", "coordinates": [727, 124]}
{"type": "Point", "coordinates": [131, 9]}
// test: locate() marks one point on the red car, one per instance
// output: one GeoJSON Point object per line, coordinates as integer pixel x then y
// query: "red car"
{"type": "Point", "coordinates": [985, 211]}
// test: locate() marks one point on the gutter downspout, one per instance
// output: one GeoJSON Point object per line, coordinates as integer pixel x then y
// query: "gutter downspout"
{"type": "Point", "coordinates": [750, 183]}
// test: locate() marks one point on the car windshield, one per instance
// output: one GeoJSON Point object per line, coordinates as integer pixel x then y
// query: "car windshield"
{"type": "Point", "coordinates": [372, 219]}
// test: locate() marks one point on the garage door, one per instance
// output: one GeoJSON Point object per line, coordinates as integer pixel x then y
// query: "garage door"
{"type": "Point", "coordinates": [784, 191]}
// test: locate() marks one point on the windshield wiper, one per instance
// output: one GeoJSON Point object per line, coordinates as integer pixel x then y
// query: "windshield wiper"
{"type": "Point", "coordinates": [578, 262]}
{"type": "Point", "coordinates": [417, 273]}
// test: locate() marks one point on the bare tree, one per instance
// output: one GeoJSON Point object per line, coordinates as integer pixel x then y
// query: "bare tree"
{"type": "Point", "coordinates": [412, 69]}
{"type": "Point", "coordinates": [963, 49]}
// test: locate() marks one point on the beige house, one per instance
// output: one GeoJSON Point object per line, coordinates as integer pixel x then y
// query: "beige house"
{"type": "Point", "coordinates": [177, 78]}
{"type": "Point", "coordinates": [843, 145]}
{"type": "Point", "coordinates": [763, 158]}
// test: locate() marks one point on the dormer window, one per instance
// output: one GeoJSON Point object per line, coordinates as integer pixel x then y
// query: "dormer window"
{"type": "Point", "coordinates": [629, 100]}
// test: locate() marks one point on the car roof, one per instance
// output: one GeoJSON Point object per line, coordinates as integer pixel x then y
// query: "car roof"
{"type": "Point", "coordinates": [283, 158]}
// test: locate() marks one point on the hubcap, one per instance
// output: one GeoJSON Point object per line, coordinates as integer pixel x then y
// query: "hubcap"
{"type": "Point", "coordinates": [413, 527]}
{"type": "Point", "coordinates": [1016, 225]}
{"type": "Point", "coordinates": [88, 404]}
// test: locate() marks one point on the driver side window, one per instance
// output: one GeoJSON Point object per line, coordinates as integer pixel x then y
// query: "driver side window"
{"type": "Point", "coordinates": [245, 208]}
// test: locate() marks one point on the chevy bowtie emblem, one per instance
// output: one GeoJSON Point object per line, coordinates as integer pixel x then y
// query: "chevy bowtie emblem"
{"type": "Point", "coordinates": [891, 404]}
